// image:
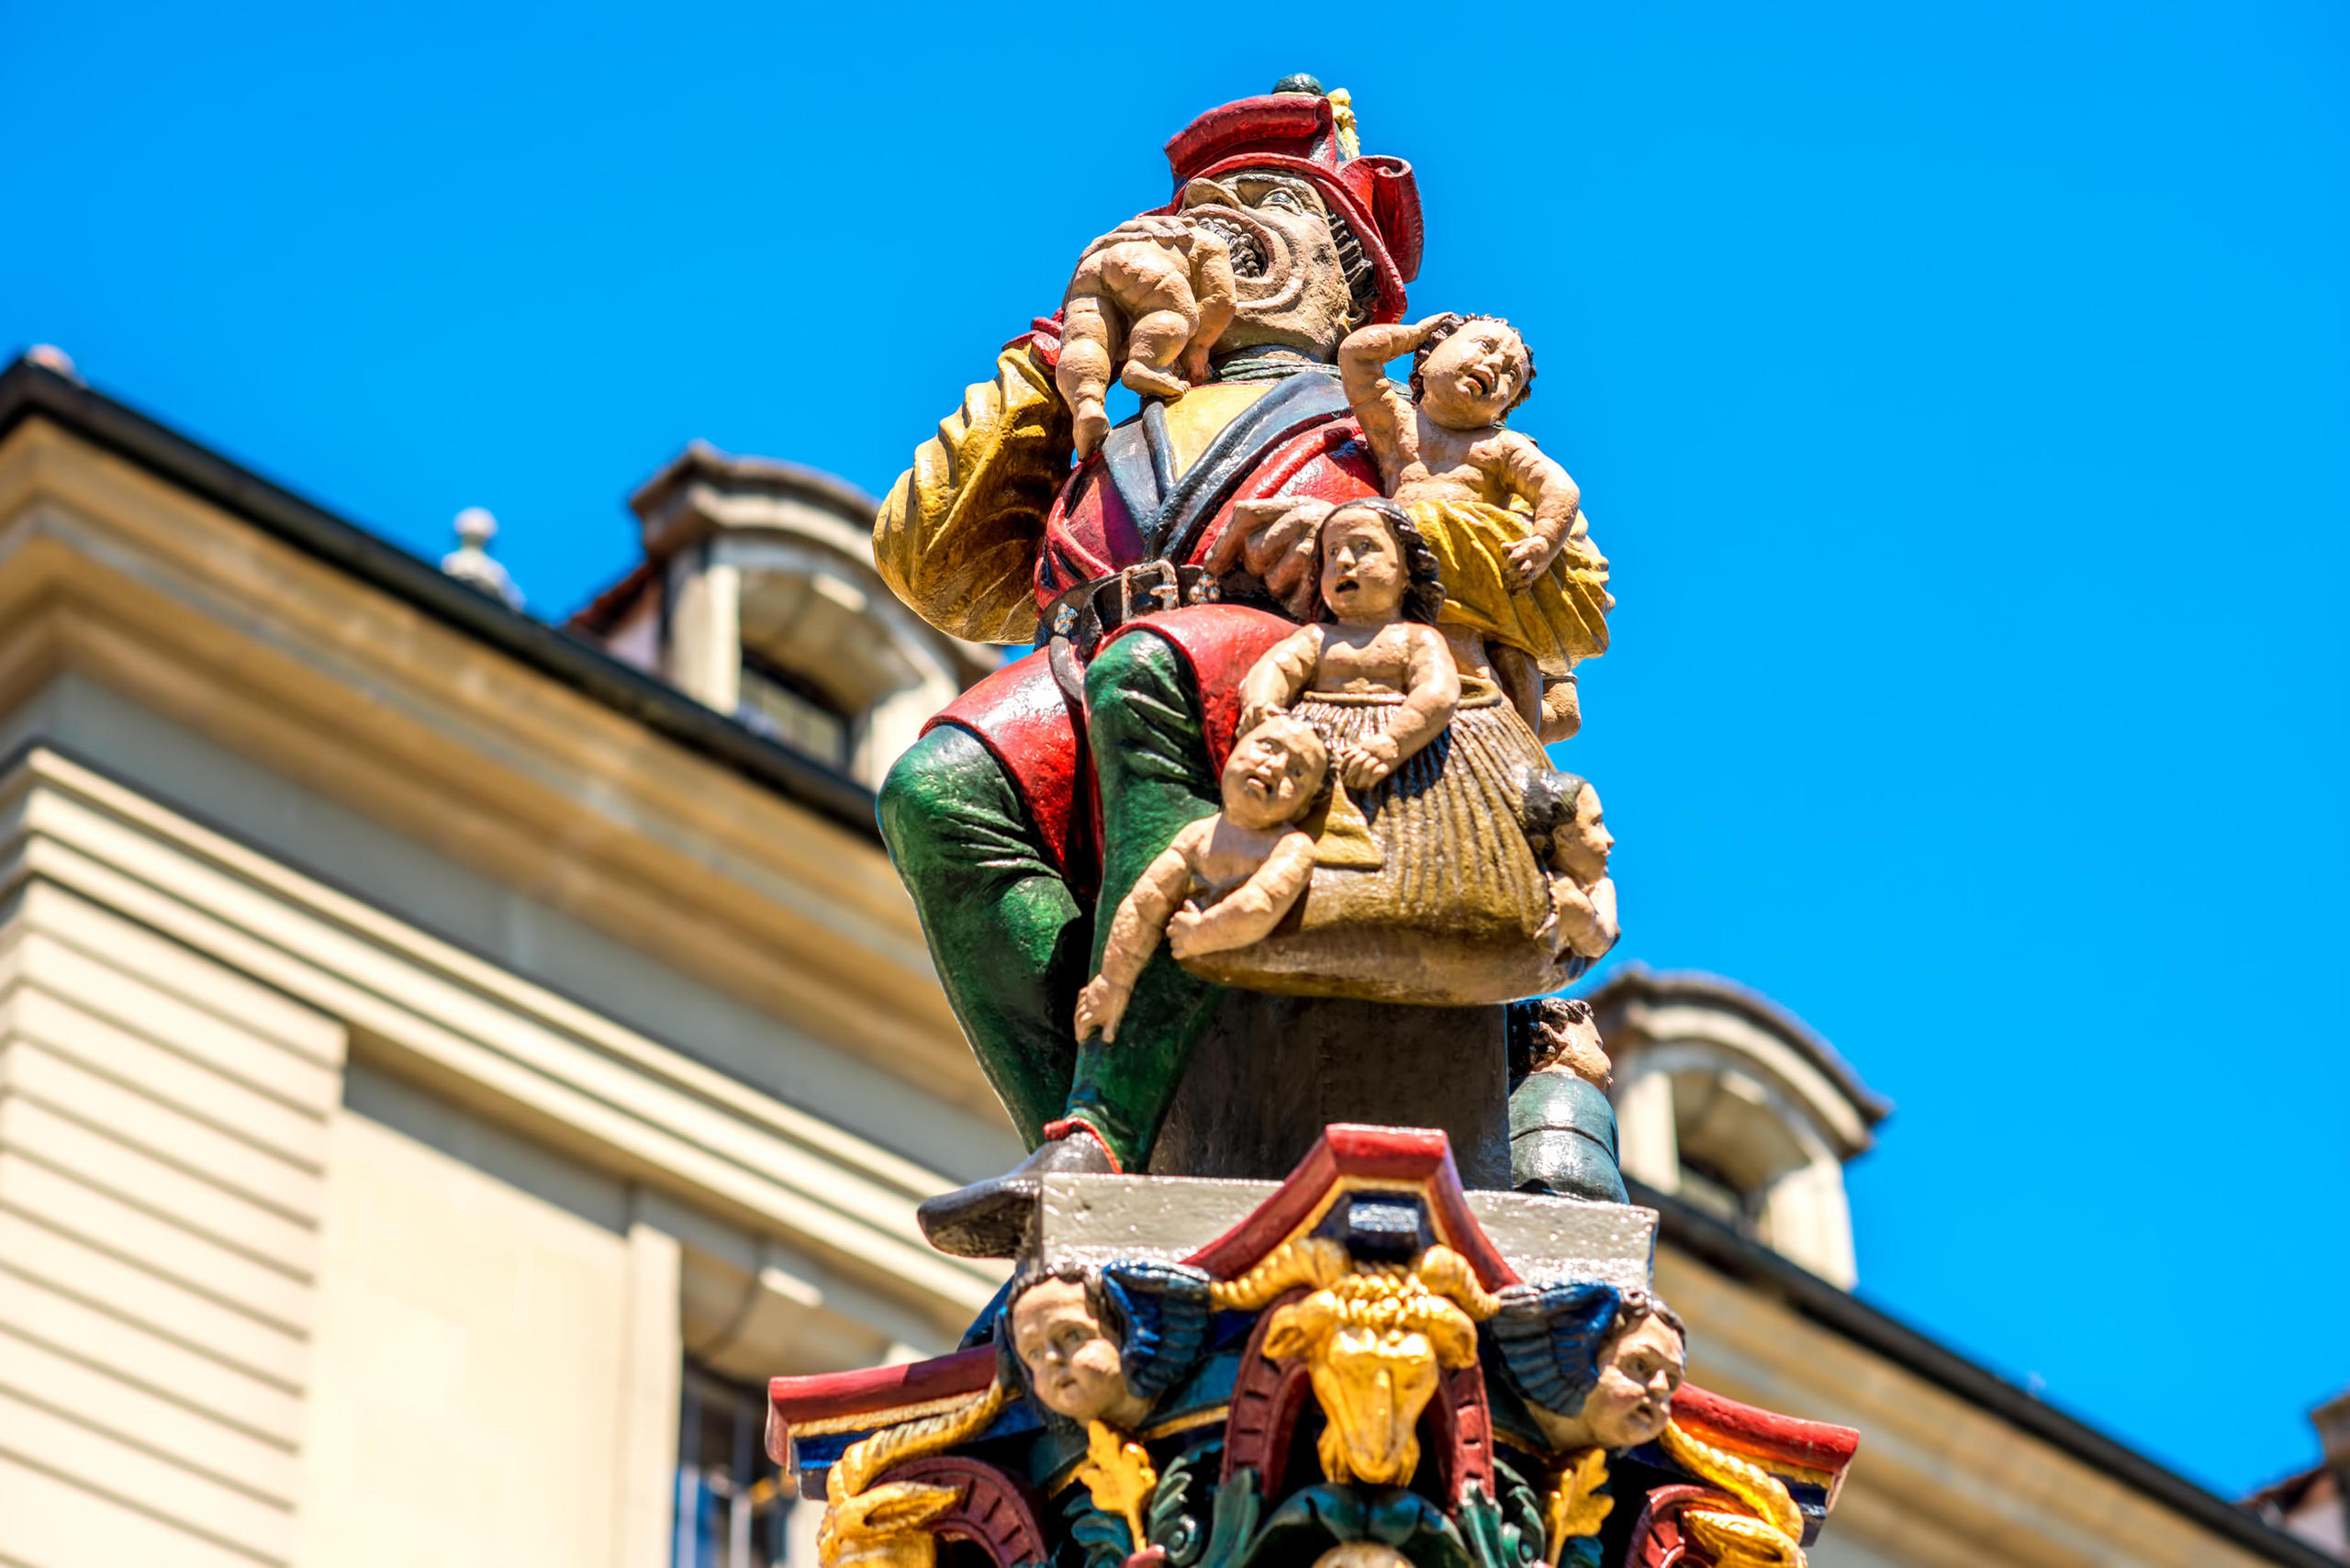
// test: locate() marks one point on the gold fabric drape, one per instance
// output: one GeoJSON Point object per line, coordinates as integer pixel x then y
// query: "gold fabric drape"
{"type": "Point", "coordinates": [958, 537]}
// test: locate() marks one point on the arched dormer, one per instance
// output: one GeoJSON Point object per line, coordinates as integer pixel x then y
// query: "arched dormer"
{"type": "Point", "coordinates": [758, 596]}
{"type": "Point", "coordinates": [1730, 1102]}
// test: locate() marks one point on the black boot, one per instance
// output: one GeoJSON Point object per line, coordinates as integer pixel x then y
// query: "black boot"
{"type": "Point", "coordinates": [990, 1219]}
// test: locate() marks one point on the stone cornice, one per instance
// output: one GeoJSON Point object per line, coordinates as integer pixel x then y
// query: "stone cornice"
{"type": "Point", "coordinates": [124, 574]}
{"type": "Point", "coordinates": [78, 850]}
{"type": "Point", "coordinates": [30, 391]}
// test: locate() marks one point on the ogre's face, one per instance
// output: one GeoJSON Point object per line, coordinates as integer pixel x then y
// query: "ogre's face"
{"type": "Point", "coordinates": [1288, 286]}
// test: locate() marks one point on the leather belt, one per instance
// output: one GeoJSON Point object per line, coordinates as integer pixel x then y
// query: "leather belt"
{"type": "Point", "coordinates": [1073, 625]}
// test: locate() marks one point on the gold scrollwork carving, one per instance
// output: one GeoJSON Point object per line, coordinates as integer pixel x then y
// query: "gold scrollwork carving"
{"type": "Point", "coordinates": [1769, 1535]}
{"type": "Point", "coordinates": [888, 1526]}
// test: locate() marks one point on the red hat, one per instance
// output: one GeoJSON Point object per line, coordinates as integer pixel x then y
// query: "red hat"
{"type": "Point", "coordinates": [1298, 133]}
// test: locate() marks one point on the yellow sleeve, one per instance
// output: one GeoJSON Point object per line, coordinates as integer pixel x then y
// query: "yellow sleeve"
{"type": "Point", "coordinates": [958, 537]}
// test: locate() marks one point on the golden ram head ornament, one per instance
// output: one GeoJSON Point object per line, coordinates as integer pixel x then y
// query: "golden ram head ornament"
{"type": "Point", "coordinates": [1375, 1339]}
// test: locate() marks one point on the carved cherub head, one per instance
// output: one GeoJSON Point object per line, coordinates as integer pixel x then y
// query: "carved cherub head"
{"type": "Point", "coordinates": [1274, 772]}
{"type": "Point", "coordinates": [1069, 1344]}
{"type": "Point", "coordinates": [1564, 818]}
{"type": "Point", "coordinates": [1471, 373]}
{"type": "Point", "coordinates": [1620, 1388]}
{"type": "Point", "coordinates": [1641, 1368]}
{"type": "Point", "coordinates": [1375, 567]}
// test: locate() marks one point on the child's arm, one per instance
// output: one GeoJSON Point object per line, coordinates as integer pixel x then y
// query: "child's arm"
{"type": "Point", "coordinates": [1281, 672]}
{"type": "Point", "coordinates": [1604, 929]}
{"type": "Point", "coordinates": [1251, 910]}
{"type": "Point", "coordinates": [1133, 934]}
{"type": "Point", "coordinates": [1380, 406]}
{"type": "Point", "coordinates": [1431, 692]}
{"type": "Point", "coordinates": [1585, 917]}
{"type": "Point", "coordinates": [1517, 465]}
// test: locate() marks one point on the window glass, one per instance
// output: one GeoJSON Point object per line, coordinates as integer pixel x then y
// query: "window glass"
{"type": "Point", "coordinates": [732, 1510]}
{"type": "Point", "coordinates": [775, 705]}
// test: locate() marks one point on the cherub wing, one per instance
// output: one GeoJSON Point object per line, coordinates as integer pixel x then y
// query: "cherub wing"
{"type": "Point", "coordinates": [1548, 1336]}
{"type": "Point", "coordinates": [1167, 1313]}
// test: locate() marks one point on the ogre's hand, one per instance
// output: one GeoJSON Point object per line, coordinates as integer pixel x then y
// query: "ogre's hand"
{"type": "Point", "coordinates": [1275, 540]}
{"type": "Point", "coordinates": [1119, 304]}
{"type": "Point", "coordinates": [1529, 557]}
{"type": "Point", "coordinates": [1369, 762]}
{"type": "Point", "coordinates": [1101, 1006]}
{"type": "Point", "coordinates": [1169, 231]}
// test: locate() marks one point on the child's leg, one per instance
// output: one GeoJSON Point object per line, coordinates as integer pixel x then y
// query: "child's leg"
{"type": "Point", "coordinates": [1562, 709]}
{"type": "Point", "coordinates": [1520, 679]}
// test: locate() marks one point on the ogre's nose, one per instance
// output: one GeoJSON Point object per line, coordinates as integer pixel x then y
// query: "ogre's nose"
{"type": "Point", "coordinates": [1207, 193]}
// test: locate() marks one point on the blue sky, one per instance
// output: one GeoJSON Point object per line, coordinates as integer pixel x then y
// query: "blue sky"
{"type": "Point", "coordinates": [1960, 391]}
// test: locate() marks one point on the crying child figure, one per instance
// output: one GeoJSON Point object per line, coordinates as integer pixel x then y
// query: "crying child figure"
{"type": "Point", "coordinates": [1380, 595]}
{"type": "Point", "coordinates": [1227, 880]}
{"type": "Point", "coordinates": [1526, 591]}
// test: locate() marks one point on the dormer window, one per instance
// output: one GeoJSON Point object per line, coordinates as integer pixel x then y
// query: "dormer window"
{"type": "Point", "coordinates": [758, 596]}
{"type": "Point", "coordinates": [785, 707]}
{"type": "Point", "coordinates": [1727, 1103]}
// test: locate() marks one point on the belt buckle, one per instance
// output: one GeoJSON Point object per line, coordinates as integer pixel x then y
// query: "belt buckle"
{"type": "Point", "coordinates": [1155, 580]}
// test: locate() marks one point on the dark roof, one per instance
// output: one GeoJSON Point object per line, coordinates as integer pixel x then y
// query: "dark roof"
{"type": "Point", "coordinates": [1701, 1236]}
{"type": "Point", "coordinates": [1637, 982]}
{"type": "Point", "coordinates": [29, 390]}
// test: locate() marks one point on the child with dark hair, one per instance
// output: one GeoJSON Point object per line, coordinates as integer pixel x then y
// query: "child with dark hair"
{"type": "Point", "coordinates": [1569, 830]}
{"type": "Point", "coordinates": [1505, 523]}
{"type": "Point", "coordinates": [1381, 594]}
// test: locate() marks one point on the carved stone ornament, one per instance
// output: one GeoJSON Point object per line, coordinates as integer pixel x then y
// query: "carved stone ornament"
{"type": "Point", "coordinates": [1366, 1311]}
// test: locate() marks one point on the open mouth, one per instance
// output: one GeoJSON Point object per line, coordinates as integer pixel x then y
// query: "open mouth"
{"type": "Point", "coordinates": [1481, 379]}
{"type": "Point", "coordinates": [1248, 255]}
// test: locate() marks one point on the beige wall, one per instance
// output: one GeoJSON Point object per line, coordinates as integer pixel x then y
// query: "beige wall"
{"type": "Point", "coordinates": [163, 1147]}
{"type": "Point", "coordinates": [469, 1395]}
{"type": "Point", "coordinates": [324, 1242]}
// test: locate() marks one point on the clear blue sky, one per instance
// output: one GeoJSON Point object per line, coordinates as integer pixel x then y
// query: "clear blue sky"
{"type": "Point", "coordinates": [1960, 389]}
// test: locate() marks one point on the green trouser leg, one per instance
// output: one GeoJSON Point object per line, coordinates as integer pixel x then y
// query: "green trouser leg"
{"type": "Point", "coordinates": [1010, 943]}
{"type": "Point", "coordinates": [1150, 757]}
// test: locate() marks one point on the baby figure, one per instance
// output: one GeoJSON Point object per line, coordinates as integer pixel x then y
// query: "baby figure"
{"type": "Point", "coordinates": [1380, 595]}
{"type": "Point", "coordinates": [1570, 835]}
{"type": "Point", "coordinates": [1520, 572]}
{"type": "Point", "coordinates": [1225, 880]}
{"type": "Point", "coordinates": [1171, 299]}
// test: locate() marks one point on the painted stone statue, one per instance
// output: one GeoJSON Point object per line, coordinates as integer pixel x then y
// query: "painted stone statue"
{"type": "Point", "coordinates": [1179, 550]}
{"type": "Point", "coordinates": [1302, 635]}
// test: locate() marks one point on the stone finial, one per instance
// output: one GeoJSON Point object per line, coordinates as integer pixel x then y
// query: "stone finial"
{"type": "Point", "coordinates": [49, 357]}
{"type": "Point", "coordinates": [470, 562]}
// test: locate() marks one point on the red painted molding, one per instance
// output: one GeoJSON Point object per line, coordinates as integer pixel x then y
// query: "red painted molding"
{"type": "Point", "coordinates": [881, 1388]}
{"type": "Point", "coordinates": [1408, 1157]}
{"type": "Point", "coordinates": [1765, 1435]}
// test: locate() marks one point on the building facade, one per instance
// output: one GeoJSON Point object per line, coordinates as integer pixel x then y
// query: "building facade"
{"type": "Point", "coordinates": [447, 1061]}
